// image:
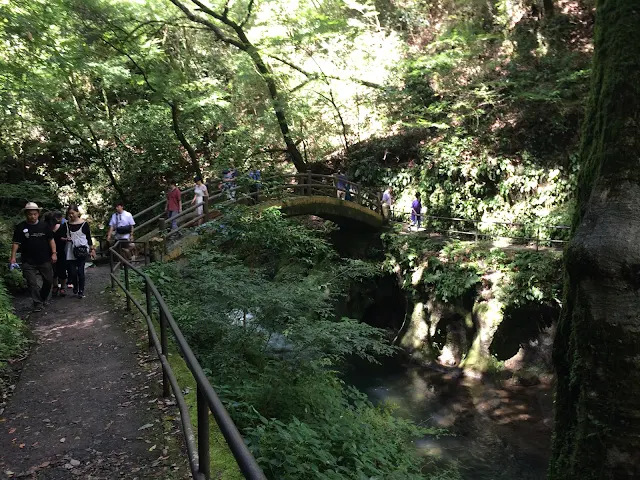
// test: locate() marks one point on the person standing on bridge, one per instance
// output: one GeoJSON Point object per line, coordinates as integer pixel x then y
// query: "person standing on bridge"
{"type": "Point", "coordinates": [341, 185]}
{"type": "Point", "coordinates": [387, 203]}
{"type": "Point", "coordinates": [35, 240]}
{"type": "Point", "coordinates": [201, 195]}
{"type": "Point", "coordinates": [174, 204]}
{"type": "Point", "coordinates": [416, 211]}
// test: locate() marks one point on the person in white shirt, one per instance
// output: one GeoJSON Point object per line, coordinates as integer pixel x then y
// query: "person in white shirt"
{"type": "Point", "coordinates": [387, 203]}
{"type": "Point", "coordinates": [200, 196]}
{"type": "Point", "coordinates": [121, 224]}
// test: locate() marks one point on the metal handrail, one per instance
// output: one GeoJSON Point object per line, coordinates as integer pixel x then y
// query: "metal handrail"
{"type": "Point", "coordinates": [478, 233]}
{"type": "Point", "coordinates": [207, 399]}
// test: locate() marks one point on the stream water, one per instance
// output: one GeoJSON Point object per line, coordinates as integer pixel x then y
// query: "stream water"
{"type": "Point", "coordinates": [495, 431]}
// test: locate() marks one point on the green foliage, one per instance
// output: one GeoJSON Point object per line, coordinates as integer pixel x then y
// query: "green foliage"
{"type": "Point", "coordinates": [532, 278]}
{"type": "Point", "coordinates": [13, 339]}
{"type": "Point", "coordinates": [451, 281]}
{"type": "Point", "coordinates": [366, 442]}
{"type": "Point", "coordinates": [261, 236]}
{"type": "Point", "coordinates": [13, 332]}
{"type": "Point", "coordinates": [272, 344]}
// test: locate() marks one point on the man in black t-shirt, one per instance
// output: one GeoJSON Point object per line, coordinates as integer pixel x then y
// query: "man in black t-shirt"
{"type": "Point", "coordinates": [38, 249]}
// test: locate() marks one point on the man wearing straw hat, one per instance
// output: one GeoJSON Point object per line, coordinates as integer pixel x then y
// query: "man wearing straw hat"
{"type": "Point", "coordinates": [35, 241]}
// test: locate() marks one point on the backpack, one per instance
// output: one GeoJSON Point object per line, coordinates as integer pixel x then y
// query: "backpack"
{"type": "Point", "coordinates": [80, 247]}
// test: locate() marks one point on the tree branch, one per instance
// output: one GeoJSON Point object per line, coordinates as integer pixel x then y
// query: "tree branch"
{"type": "Point", "coordinates": [132, 60]}
{"type": "Point", "coordinates": [183, 140]}
{"type": "Point", "coordinates": [225, 12]}
{"type": "Point", "coordinates": [316, 76]}
{"type": "Point", "coordinates": [244, 44]}
{"type": "Point", "coordinates": [249, 12]}
{"type": "Point", "coordinates": [211, 26]}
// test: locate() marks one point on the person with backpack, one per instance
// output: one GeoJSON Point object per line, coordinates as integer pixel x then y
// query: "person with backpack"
{"type": "Point", "coordinates": [79, 249]}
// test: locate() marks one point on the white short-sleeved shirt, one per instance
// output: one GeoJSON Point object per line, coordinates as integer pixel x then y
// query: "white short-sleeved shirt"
{"type": "Point", "coordinates": [200, 192]}
{"type": "Point", "coordinates": [121, 220]}
{"type": "Point", "coordinates": [386, 198]}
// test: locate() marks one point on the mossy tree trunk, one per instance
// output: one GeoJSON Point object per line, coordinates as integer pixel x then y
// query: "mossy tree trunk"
{"type": "Point", "coordinates": [597, 346]}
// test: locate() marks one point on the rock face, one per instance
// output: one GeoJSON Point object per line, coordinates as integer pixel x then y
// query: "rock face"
{"type": "Point", "coordinates": [480, 333]}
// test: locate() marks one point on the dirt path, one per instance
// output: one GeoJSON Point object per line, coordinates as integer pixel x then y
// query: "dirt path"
{"type": "Point", "coordinates": [87, 403]}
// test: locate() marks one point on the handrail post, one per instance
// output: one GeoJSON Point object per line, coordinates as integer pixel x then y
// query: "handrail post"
{"type": "Point", "coordinates": [147, 292]}
{"type": "Point", "coordinates": [162, 228]}
{"type": "Point", "coordinates": [147, 253]}
{"type": "Point", "coordinates": [113, 282]}
{"type": "Point", "coordinates": [205, 210]}
{"type": "Point", "coordinates": [203, 434]}
{"type": "Point", "coordinates": [163, 344]}
{"type": "Point", "coordinates": [126, 284]}
{"type": "Point", "coordinates": [308, 189]}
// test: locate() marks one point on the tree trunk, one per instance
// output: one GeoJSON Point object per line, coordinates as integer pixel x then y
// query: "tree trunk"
{"type": "Point", "coordinates": [597, 346]}
{"type": "Point", "coordinates": [276, 101]}
{"type": "Point", "coordinates": [183, 140]}
{"type": "Point", "coordinates": [242, 42]}
{"type": "Point", "coordinates": [112, 178]}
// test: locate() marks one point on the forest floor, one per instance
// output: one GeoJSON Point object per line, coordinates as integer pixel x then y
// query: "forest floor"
{"type": "Point", "coordinates": [88, 402]}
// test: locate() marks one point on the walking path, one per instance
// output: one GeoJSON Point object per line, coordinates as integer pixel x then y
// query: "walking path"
{"type": "Point", "coordinates": [87, 405]}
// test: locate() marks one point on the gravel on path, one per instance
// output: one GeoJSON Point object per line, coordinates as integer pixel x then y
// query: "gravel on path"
{"type": "Point", "coordinates": [88, 405]}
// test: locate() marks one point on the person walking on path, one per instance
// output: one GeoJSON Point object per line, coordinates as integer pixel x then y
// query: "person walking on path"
{"type": "Point", "coordinates": [79, 248]}
{"type": "Point", "coordinates": [58, 224]}
{"type": "Point", "coordinates": [200, 195]}
{"type": "Point", "coordinates": [174, 204]}
{"type": "Point", "coordinates": [121, 224]}
{"type": "Point", "coordinates": [34, 238]}
{"type": "Point", "coordinates": [387, 203]}
{"type": "Point", "coordinates": [416, 211]}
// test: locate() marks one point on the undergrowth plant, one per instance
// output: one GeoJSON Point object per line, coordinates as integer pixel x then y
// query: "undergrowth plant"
{"type": "Point", "coordinates": [272, 347]}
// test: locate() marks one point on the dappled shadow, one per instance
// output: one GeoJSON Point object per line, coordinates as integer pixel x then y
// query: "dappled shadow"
{"type": "Point", "coordinates": [495, 431]}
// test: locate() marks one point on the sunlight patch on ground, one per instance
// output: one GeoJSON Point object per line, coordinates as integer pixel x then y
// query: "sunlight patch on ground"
{"type": "Point", "coordinates": [49, 331]}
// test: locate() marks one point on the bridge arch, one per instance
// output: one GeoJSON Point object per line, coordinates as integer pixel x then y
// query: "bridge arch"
{"type": "Point", "coordinates": [344, 213]}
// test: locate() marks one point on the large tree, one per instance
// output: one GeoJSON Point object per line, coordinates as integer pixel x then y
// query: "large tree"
{"type": "Point", "coordinates": [597, 347]}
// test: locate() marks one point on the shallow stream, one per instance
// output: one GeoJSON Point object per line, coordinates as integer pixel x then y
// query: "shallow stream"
{"type": "Point", "coordinates": [497, 431]}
